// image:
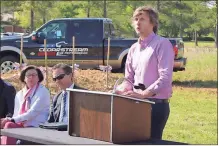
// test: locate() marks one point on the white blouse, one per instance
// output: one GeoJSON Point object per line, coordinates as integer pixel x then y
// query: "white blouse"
{"type": "Point", "coordinates": [39, 107]}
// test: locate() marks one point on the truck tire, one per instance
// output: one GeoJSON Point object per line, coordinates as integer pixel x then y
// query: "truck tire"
{"type": "Point", "coordinates": [123, 64]}
{"type": "Point", "coordinates": [7, 62]}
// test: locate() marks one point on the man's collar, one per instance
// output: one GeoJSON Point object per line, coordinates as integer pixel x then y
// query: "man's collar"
{"type": "Point", "coordinates": [72, 86]}
{"type": "Point", "coordinates": [146, 39]}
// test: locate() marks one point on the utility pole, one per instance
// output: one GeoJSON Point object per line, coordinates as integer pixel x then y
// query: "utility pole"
{"type": "Point", "coordinates": [31, 17]}
{"type": "Point", "coordinates": [158, 10]}
{"type": "Point", "coordinates": [104, 9]}
{"type": "Point", "coordinates": [196, 40]}
{"type": "Point", "coordinates": [13, 24]}
{"type": "Point", "coordinates": [216, 35]}
{"type": "Point", "coordinates": [88, 9]}
{"type": "Point", "coordinates": [180, 25]}
{"type": "Point", "coordinates": [44, 16]}
{"type": "Point", "coordinates": [216, 29]}
{"type": "Point", "coordinates": [158, 5]}
{"type": "Point", "coordinates": [13, 20]}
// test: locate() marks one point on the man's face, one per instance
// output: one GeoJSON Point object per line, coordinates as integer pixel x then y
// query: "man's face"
{"type": "Point", "coordinates": [142, 24]}
{"type": "Point", "coordinates": [61, 79]}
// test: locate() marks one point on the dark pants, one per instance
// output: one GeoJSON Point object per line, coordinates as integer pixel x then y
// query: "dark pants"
{"type": "Point", "coordinates": [160, 114]}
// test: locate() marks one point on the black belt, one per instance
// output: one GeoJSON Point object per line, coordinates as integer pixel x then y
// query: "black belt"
{"type": "Point", "coordinates": [159, 100]}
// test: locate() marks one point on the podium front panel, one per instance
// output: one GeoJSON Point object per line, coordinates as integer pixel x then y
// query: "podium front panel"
{"type": "Point", "coordinates": [131, 120]}
{"type": "Point", "coordinates": [90, 116]}
{"type": "Point", "coordinates": [107, 117]}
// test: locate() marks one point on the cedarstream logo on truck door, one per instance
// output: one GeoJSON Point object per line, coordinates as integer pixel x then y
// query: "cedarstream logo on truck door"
{"type": "Point", "coordinates": [62, 51]}
{"type": "Point", "coordinates": [58, 51]}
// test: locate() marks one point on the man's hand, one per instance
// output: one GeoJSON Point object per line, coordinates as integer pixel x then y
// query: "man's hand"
{"type": "Point", "coordinates": [3, 122]}
{"type": "Point", "coordinates": [121, 90]}
{"type": "Point", "coordinates": [134, 94]}
{"type": "Point", "coordinates": [141, 94]}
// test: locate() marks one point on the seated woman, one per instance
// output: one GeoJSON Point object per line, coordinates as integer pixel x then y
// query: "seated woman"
{"type": "Point", "coordinates": [31, 103]}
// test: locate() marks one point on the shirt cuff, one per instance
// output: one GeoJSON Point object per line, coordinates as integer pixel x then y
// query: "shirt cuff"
{"type": "Point", "coordinates": [127, 85]}
{"type": "Point", "coordinates": [153, 89]}
{"type": "Point", "coordinates": [9, 115]}
{"type": "Point", "coordinates": [17, 119]}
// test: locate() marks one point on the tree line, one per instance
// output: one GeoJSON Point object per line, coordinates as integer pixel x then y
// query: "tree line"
{"type": "Point", "coordinates": [188, 19]}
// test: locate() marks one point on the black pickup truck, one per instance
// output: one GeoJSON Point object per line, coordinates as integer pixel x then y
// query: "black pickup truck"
{"type": "Point", "coordinates": [91, 43]}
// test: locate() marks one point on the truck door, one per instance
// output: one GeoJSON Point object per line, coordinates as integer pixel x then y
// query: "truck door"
{"type": "Point", "coordinates": [88, 42]}
{"type": "Point", "coordinates": [58, 43]}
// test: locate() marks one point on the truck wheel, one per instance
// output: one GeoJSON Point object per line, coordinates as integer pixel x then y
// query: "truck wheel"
{"type": "Point", "coordinates": [123, 69]}
{"type": "Point", "coordinates": [7, 62]}
{"type": "Point", "coordinates": [123, 65]}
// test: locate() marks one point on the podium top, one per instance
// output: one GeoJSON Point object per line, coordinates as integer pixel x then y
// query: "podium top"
{"type": "Point", "coordinates": [110, 94]}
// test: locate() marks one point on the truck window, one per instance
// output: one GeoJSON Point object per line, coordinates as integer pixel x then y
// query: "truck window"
{"type": "Point", "coordinates": [112, 30]}
{"type": "Point", "coordinates": [109, 30]}
{"type": "Point", "coordinates": [54, 30]}
{"type": "Point", "coordinates": [106, 30]}
{"type": "Point", "coordinates": [87, 31]}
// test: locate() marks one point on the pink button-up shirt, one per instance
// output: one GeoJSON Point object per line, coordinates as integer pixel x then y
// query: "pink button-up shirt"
{"type": "Point", "coordinates": [150, 62]}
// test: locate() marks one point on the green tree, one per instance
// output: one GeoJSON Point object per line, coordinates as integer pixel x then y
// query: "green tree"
{"type": "Point", "coordinates": [34, 14]}
{"type": "Point", "coordinates": [10, 7]}
{"type": "Point", "coordinates": [176, 18]}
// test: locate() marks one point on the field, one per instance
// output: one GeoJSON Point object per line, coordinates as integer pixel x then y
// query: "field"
{"type": "Point", "coordinates": [203, 44]}
{"type": "Point", "coordinates": [193, 116]}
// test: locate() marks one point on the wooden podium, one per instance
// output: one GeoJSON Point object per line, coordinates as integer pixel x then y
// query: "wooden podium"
{"type": "Point", "coordinates": [108, 117]}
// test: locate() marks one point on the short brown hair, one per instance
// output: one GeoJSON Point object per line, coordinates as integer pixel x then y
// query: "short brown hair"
{"type": "Point", "coordinates": [153, 15]}
{"type": "Point", "coordinates": [39, 73]}
{"type": "Point", "coordinates": [66, 68]}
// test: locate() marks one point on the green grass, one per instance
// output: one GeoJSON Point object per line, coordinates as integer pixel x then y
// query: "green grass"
{"type": "Point", "coordinates": [193, 116]}
{"type": "Point", "coordinates": [209, 44]}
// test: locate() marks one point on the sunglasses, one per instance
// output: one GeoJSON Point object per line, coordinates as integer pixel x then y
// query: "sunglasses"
{"type": "Point", "coordinates": [59, 77]}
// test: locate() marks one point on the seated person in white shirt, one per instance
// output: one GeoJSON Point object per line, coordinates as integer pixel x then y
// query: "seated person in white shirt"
{"type": "Point", "coordinates": [31, 103]}
{"type": "Point", "coordinates": [63, 77]}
